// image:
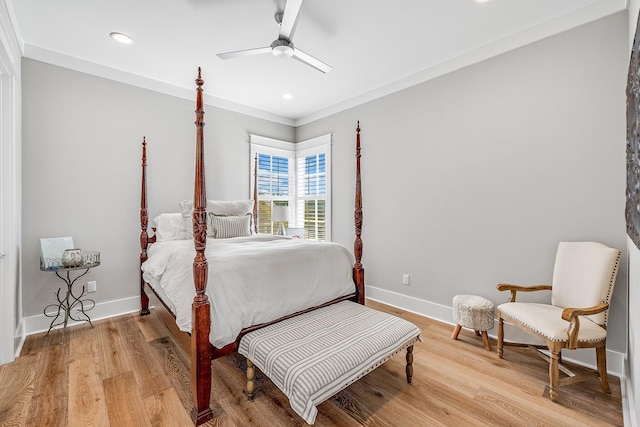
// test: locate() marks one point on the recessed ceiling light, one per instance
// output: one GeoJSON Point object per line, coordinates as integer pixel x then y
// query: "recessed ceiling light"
{"type": "Point", "coordinates": [122, 38]}
{"type": "Point", "coordinates": [482, 1]}
{"type": "Point", "coordinates": [287, 96]}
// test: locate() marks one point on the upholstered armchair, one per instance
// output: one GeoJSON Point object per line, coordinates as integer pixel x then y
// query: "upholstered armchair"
{"type": "Point", "coordinates": [583, 278]}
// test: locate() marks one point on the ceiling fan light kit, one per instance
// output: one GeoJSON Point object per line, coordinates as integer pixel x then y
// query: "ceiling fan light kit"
{"type": "Point", "coordinates": [283, 46]}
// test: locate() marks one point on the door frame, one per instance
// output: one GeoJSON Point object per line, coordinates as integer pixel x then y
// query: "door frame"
{"type": "Point", "coordinates": [11, 335]}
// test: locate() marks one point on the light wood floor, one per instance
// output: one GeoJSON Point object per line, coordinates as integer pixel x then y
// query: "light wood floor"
{"type": "Point", "coordinates": [129, 371]}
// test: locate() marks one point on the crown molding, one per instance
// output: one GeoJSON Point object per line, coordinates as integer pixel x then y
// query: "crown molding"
{"type": "Point", "coordinates": [597, 10]}
{"type": "Point", "coordinates": [100, 70]}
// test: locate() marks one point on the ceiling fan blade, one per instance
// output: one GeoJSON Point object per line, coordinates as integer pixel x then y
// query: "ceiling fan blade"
{"type": "Point", "coordinates": [246, 52]}
{"type": "Point", "coordinates": [310, 60]}
{"type": "Point", "coordinates": [290, 19]}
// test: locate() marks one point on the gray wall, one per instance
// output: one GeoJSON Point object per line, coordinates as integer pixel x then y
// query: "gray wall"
{"type": "Point", "coordinates": [473, 178]}
{"type": "Point", "coordinates": [81, 169]}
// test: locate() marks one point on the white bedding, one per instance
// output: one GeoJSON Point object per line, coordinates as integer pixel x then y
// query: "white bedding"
{"type": "Point", "coordinates": [252, 280]}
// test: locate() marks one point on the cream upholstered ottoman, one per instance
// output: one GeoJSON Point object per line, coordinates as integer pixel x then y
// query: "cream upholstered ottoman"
{"type": "Point", "coordinates": [314, 355]}
{"type": "Point", "coordinates": [473, 312]}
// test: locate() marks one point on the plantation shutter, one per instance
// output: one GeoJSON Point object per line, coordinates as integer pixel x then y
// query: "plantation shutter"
{"type": "Point", "coordinates": [298, 176]}
{"type": "Point", "coordinates": [276, 179]}
{"type": "Point", "coordinates": [313, 174]}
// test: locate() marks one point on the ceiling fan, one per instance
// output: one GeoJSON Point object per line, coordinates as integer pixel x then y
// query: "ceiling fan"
{"type": "Point", "coordinates": [283, 46]}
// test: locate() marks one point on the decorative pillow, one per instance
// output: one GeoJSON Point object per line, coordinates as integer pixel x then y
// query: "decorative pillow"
{"type": "Point", "coordinates": [217, 207]}
{"type": "Point", "coordinates": [227, 226]}
{"type": "Point", "coordinates": [170, 226]}
{"type": "Point", "coordinates": [233, 207]}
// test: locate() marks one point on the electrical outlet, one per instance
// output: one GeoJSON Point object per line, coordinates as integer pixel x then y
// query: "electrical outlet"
{"type": "Point", "coordinates": [405, 279]}
{"type": "Point", "coordinates": [91, 286]}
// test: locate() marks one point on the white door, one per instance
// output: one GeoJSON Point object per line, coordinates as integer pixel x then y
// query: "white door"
{"type": "Point", "coordinates": [8, 312]}
{"type": "Point", "coordinates": [9, 220]}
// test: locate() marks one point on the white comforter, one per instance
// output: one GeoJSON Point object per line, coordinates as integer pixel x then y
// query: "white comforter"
{"type": "Point", "coordinates": [252, 280]}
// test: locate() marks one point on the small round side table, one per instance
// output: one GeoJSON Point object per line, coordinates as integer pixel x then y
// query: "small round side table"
{"type": "Point", "coordinates": [69, 306]}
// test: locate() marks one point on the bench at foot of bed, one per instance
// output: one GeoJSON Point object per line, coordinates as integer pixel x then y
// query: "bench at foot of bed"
{"type": "Point", "coordinates": [315, 355]}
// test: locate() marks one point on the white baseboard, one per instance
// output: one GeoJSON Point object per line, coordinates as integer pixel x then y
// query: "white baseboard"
{"type": "Point", "coordinates": [443, 313]}
{"type": "Point", "coordinates": [18, 338]}
{"type": "Point", "coordinates": [40, 322]}
{"type": "Point", "coordinates": [586, 357]}
{"type": "Point", "coordinates": [629, 413]}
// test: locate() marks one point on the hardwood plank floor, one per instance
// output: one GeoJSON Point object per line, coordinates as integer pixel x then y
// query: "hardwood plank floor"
{"type": "Point", "coordinates": [130, 371]}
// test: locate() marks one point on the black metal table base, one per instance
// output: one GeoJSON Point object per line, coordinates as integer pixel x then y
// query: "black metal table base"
{"type": "Point", "coordinates": [70, 306]}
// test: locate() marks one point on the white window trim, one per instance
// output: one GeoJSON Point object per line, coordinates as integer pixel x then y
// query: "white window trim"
{"type": "Point", "coordinates": [320, 144]}
{"type": "Point", "coordinates": [279, 148]}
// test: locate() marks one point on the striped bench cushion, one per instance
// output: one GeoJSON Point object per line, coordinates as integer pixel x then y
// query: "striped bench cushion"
{"type": "Point", "coordinates": [313, 356]}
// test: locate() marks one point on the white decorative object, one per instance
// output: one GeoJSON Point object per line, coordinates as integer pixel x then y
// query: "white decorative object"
{"type": "Point", "coordinates": [296, 232]}
{"type": "Point", "coordinates": [54, 247]}
{"type": "Point", "coordinates": [51, 251]}
{"type": "Point", "coordinates": [72, 258]}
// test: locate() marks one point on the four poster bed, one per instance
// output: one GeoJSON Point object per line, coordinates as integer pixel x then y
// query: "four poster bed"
{"type": "Point", "coordinates": [253, 289]}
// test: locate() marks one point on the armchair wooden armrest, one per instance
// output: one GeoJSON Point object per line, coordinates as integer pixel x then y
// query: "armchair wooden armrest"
{"type": "Point", "coordinates": [571, 315]}
{"type": "Point", "coordinates": [517, 288]}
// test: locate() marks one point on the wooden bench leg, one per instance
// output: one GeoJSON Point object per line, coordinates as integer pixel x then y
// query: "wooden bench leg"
{"type": "Point", "coordinates": [409, 368]}
{"type": "Point", "coordinates": [456, 332]}
{"type": "Point", "coordinates": [251, 374]}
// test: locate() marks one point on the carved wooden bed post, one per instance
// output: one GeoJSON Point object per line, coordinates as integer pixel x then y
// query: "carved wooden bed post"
{"type": "Point", "coordinates": [144, 222]}
{"type": "Point", "coordinates": [200, 346]}
{"type": "Point", "coordinates": [358, 270]}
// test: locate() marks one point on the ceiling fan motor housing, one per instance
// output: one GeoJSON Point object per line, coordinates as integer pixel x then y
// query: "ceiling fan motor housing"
{"type": "Point", "coordinates": [282, 47]}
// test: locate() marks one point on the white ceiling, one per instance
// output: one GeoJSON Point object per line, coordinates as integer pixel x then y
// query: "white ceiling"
{"type": "Point", "coordinates": [375, 47]}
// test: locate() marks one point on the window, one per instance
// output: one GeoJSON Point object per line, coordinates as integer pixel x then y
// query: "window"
{"type": "Point", "coordinates": [312, 194]}
{"type": "Point", "coordinates": [298, 176]}
{"type": "Point", "coordinates": [273, 188]}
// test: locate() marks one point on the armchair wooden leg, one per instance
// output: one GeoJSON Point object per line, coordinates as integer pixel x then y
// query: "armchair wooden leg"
{"type": "Point", "coordinates": [554, 374]}
{"type": "Point", "coordinates": [500, 336]}
{"type": "Point", "coordinates": [601, 357]}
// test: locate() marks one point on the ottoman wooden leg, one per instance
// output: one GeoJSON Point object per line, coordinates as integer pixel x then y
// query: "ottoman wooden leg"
{"type": "Point", "coordinates": [485, 340]}
{"type": "Point", "coordinates": [456, 332]}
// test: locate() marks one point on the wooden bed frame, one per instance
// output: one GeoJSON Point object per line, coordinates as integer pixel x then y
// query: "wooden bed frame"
{"type": "Point", "coordinates": [197, 343]}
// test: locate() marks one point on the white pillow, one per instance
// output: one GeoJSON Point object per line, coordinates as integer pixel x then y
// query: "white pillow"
{"type": "Point", "coordinates": [233, 207]}
{"type": "Point", "coordinates": [217, 207]}
{"type": "Point", "coordinates": [170, 226]}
